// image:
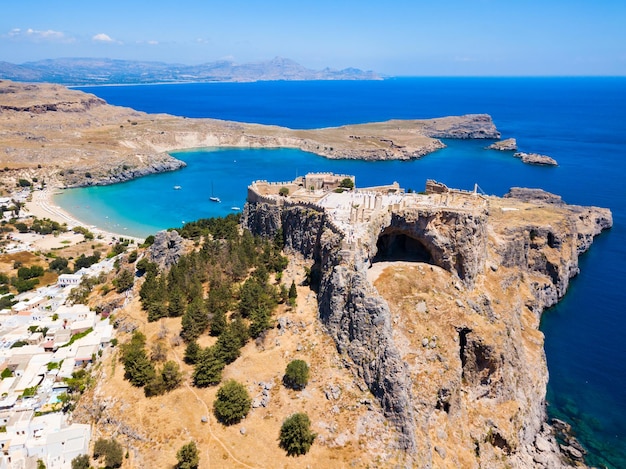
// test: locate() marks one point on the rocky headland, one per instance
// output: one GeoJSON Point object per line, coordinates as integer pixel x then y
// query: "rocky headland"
{"type": "Point", "coordinates": [71, 138]}
{"type": "Point", "coordinates": [434, 302]}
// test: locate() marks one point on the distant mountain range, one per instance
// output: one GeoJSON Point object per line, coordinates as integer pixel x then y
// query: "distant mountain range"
{"type": "Point", "coordinates": [91, 71]}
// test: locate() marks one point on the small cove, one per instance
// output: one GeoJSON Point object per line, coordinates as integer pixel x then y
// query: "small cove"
{"type": "Point", "coordinates": [146, 205]}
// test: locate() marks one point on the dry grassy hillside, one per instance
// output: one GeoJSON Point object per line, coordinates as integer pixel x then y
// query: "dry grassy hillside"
{"type": "Point", "coordinates": [351, 429]}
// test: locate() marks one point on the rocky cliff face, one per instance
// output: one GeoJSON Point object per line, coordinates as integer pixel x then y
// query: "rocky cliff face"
{"type": "Point", "coordinates": [167, 249]}
{"type": "Point", "coordinates": [449, 342]}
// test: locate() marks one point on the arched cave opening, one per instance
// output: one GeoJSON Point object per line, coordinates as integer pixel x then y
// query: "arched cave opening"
{"type": "Point", "coordinates": [401, 247]}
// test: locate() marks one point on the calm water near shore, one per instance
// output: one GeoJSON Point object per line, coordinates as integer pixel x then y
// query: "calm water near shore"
{"type": "Point", "coordinates": [581, 122]}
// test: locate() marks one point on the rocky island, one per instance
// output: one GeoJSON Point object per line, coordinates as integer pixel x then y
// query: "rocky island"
{"type": "Point", "coordinates": [536, 158]}
{"type": "Point", "coordinates": [434, 301]}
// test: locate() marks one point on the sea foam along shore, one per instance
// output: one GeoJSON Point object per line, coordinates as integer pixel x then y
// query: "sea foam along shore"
{"type": "Point", "coordinates": [42, 206]}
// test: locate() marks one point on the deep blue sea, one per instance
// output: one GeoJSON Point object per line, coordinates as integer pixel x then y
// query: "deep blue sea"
{"type": "Point", "coordinates": [581, 122]}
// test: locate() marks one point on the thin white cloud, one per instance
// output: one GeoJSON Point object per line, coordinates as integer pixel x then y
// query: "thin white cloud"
{"type": "Point", "coordinates": [153, 43]}
{"type": "Point", "coordinates": [101, 37]}
{"type": "Point", "coordinates": [38, 35]}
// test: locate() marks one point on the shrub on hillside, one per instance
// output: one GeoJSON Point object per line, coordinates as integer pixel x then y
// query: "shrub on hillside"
{"type": "Point", "coordinates": [232, 404]}
{"type": "Point", "coordinates": [296, 375]}
{"type": "Point", "coordinates": [81, 462]}
{"type": "Point", "coordinates": [111, 450]}
{"type": "Point", "coordinates": [296, 436]}
{"type": "Point", "coordinates": [188, 456]}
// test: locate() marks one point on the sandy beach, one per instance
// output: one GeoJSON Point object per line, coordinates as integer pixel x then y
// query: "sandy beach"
{"type": "Point", "coordinates": [42, 206]}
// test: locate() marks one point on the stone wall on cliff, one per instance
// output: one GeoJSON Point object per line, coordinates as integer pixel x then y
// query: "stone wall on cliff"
{"type": "Point", "coordinates": [476, 384]}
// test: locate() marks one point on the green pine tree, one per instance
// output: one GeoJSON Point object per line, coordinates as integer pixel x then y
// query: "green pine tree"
{"type": "Point", "coordinates": [208, 369]}
{"type": "Point", "coordinates": [195, 320]}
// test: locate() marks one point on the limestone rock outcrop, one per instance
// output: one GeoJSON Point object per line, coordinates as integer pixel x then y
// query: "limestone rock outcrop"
{"type": "Point", "coordinates": [167, 248]}
{"type": "Point", "coordinates": [448, 339]}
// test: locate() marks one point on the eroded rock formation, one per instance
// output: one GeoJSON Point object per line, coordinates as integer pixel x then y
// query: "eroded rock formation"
{"type": "Point", "coordinates": [449, 342]}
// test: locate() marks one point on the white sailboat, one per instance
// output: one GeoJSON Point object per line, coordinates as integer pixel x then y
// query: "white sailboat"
{"type": "Point", "coordinates": [213, 198]}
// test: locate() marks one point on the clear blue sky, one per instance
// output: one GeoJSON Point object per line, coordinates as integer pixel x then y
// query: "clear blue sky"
{"type": "Point", "coordinates": [395, 37]}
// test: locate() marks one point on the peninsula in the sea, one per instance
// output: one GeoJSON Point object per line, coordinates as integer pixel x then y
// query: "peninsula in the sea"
{"type": "Point", "coordinates": [72, 138]}
{"type": "Point", "coordinates": [101, 71]}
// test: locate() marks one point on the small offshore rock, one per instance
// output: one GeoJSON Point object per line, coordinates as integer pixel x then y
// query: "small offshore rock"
{"type": "Point", "coordinates": [572, 452]}
{"type": "Point", "coordinates": [535, 158]}
{"type": "Point", "coordinates": [509, 144]}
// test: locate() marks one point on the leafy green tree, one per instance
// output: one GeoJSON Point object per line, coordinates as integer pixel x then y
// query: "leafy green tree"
{"type": "Point", "coordinates": [232, 403]}
{"type": "Point", "coordinates": [296, 436]}
{"type": "Point", "coordinates": [296, 374]}
{"type": "Point", "coordinates": [188, 456]}
{"type": "Point", "coordinates": [81, 462]}
{"type": "Point", "coordinates": [250, 296]}
{"type": "Point", "coordinates": [171, 375]}
{"type": "Point", "coordinates": [132, 257]}
{"type": "Point", "coordinates": [111, 450]}
{"type": "Point", "coordinates": [24, 285]}
{"type": "Point", "coordinates": [124, 281]}
{"type": "Point", "coordinates": [346, 183]}
{"type": "Point", "coordinates": [26, 273]}
{"type": "Point", "coordinates": [145, 266]}
{"type": "Point", "coordinates": [86, 261]}
{"type": "Point", "coordinates": [208, 369]}
{"type": "Point", "coordinates": [59, 264]}
{"type": "Point", "coordinates": [21, 227]}
{"type": "Point", "coordinates": [154, 387]}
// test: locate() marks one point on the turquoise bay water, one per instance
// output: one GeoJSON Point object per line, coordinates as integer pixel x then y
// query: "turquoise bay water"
{"type": "Point", "coordinates": [579, 121]}
{"type": "Point", "coordinates": [152, 203]}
